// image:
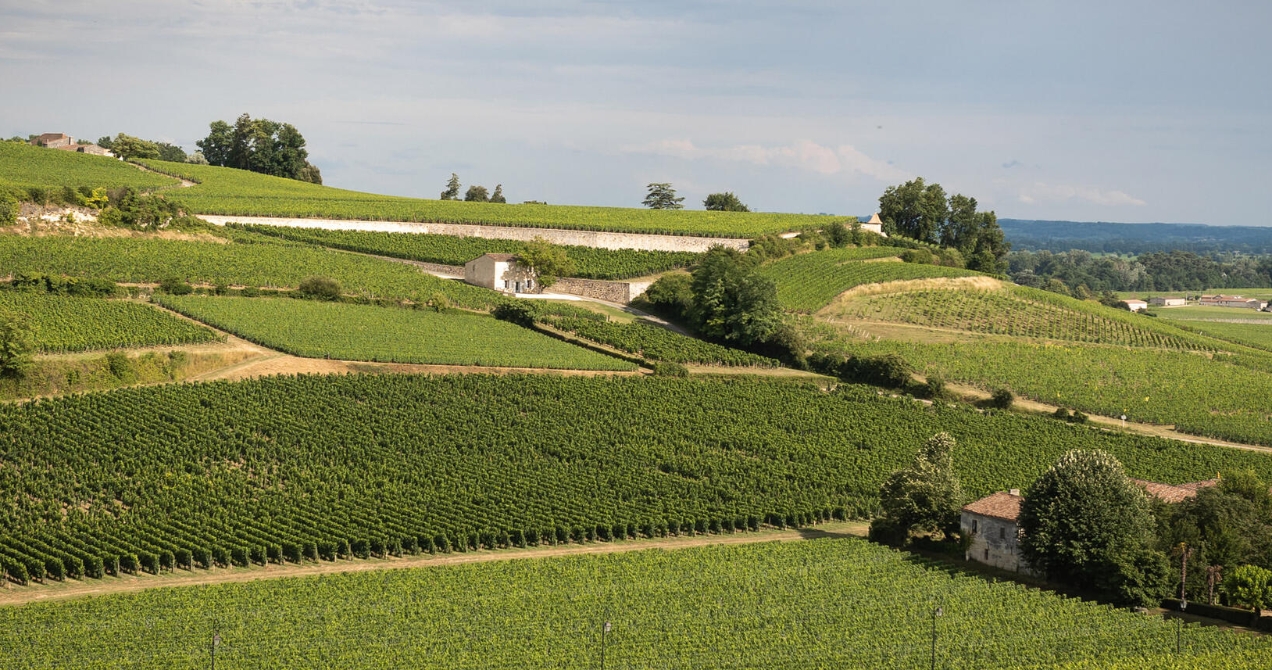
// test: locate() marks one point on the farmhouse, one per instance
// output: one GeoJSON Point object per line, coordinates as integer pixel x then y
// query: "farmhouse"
{"type": "Point", "coordinates": [54, 141]}
{"type": "Point", "coordinates": [1231, 301]}
{"type": "Point", "coordinates": [1136, 305]}
{"type": "Point", "coordinates": [991, 522]}
{"type": "Point", "coordinates": [874, 225]}
{"type": "Point", "coordinates": [1167, 301]}
{"type": "Point", "coordinates": [500, 272]}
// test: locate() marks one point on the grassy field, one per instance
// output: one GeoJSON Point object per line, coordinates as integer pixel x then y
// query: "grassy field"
{"type": "Point", "coordinates": [366, 333]}
{"type": "Point", "coordinates": [1210, 314]}
{"type": "Point", "coordinates": [62, 323]}
{"type": "Point", "coordinates": [25, 166]}
{"type": "Point", "coordinates": [807, 282]}
{"type": "Point", "coordinates": [313, 466]}
{"type": "Point", "coordinates": [1015, 311]}
{"type": "Point", "coordinates": [820, 603]}
{"type": "Point", "coordinates": [1257, 334]}
{"type": "Point", "coordinates": [589, 262]}
{"type": "Point", "coordinates": [229, 192]}
{"type": "Point", "coordinates": [256, 263]}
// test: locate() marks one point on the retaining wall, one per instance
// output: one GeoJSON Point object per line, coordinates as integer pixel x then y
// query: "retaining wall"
{"type": "Point", "coordinates": [583, 238]}
{"type": "Point", "coordinates": [609, 291]}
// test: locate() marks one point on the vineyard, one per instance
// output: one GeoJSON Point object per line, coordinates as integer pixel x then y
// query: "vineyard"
{"type": "Point", "coordinates": [1017, 311]}
{"type": "Point", "coordinates": [645, 339]}
{"type": "Point", "coordinates": [808, 282]}
{"type": "Point", "coordinates": [239, 192]}
{"type": "Point", "coordinates": [25, 166]}
{"type": "Point", "coordinates": [257, 264]}
{"type": "Point", "coordinates": [1224, 397]}
{"type": "Point", "coordinates": [1257, 335]}
{"type": "Point", "coordinates": [589, 262]}
{"type": "Point", "coordinates": [291, 469]}
{"type": "Point", "coordinates": [830, 603]}
{"type": "Point", "coordinates": [62, 324]}
{"type": "Point", "coordinates": [366, 333]}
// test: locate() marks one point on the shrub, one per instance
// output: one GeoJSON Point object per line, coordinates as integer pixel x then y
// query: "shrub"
{"type": "Point", "coordinates": [120, 366]}
{"type": "Point", "coordinates": [250, 292]}
{"type": "Point", "coordinates": [1002, 399]}
{"type": "Point", "coordinates": [669, 369]}
{"type": "Point", "coordinates": [183, 558]}
{"type": "Point", "coordinates": [919, 256]}
{"type": "Point", "coordinates": [175, 286]}
{"type": "Point", "coordinates": [935, 387]}
{"type": "Point", "coordinates": [672, 294]}
{"type": "Point", "coordinates": [1063, 414]}
{"type": "Point", "coordinates": [520, 313]}
{"type": "Point", "coordinates": [320, 288]}
{"type": "Point", "coordinates": [888, 370]}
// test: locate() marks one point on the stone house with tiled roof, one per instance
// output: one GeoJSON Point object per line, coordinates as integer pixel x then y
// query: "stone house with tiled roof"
{"type": "Point", "coordinates": [500, 272]}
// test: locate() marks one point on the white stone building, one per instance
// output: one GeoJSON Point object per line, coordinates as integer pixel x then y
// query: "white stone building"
{"type": "Point", "coordinates": [500, 272]}
{"type": "Point", "coordinates": [991, 523]}
{"type": "Point", "coordinates": [1136, 305]}
{"type": "Point", "coordinates": [1167, 301]}
{"type": "Point", "coordinates": [874, 225]}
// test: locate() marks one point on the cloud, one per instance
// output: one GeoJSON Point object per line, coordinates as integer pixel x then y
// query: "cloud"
{"type": "Point", "coordinates": [803, 154]}
{"type": "Point", "coordinates": [1039, 193]}
{"type": "Point", "coordinates": [1011, 164]}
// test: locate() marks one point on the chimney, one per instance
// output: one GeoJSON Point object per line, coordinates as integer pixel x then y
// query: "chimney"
{"type": "Point", "coordinates": [1014, 492]}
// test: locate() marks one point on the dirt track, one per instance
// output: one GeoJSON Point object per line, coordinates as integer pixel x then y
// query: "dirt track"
{"type": "Point", "coordinates": [19, 595]}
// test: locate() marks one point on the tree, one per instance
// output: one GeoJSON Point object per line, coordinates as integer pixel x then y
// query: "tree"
{"type": "Point", "coordinates": [731, 300]}
{"type": "Point", "coordinates": [915, 210]}
{"type": "Point", "coordinates": [498, 196]}
{"type": "Point", "coordinates": [1226, 525]}
{"type": "Point", "coordinates": [129, 147]}
{"type": "Point", "coordinates": [1086, 524]}
{"type": "Point", "coordinates": [672, 294]}
{"type": "Point", "coordinates": [320, 288]}
{"type": "Point", "coordinates": [476, 194]}
{"type": "Point", "coordinates": [662, 196]}
{"type": "Point", "coordinates": [452, 188]}
{"type": "Point", "coordinates": [17, 343]}
{"type": "Point", "coordinates": [1251, 586]}
{"type": "Point", "coordinates": [547, 260]}
{"type": "Point", "coordinates": [171, 153]}
{"type": "Point", "coordinates": [924, 497]}
{"type": "Point", "coordinates": [723, 202]}
{"type": "Point", "coordinates": [260, 145]}
{"type": "Point", "coordinates": [197, 158]}
{"type": "Point", "coordinates": [921, 211]}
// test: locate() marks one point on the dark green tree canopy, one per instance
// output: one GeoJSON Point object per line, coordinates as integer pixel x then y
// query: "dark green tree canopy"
{"type": "Point", "coordinates": [1084, 523]}
{"type": "Point", "coordinates": [498, 196]}
{"type": "Point", "coordinates": [925, 496]}
{"type": "Point", "coordinates": [724, 202]}
{"type": "Point", "coordinates": [921, 211]}
{"type": "Point", "coordinates": [732, 301]}
{"type": "Point", "coordinates": [259, 145]}
{"type": "Point", "coordinates": [477, 194]}
{"type": "Point", "coordinates": [452, 188]}
{"type": "Point", "coordinates": [662, 196]}
{"type": "Point", "coordinates": [547, 260]}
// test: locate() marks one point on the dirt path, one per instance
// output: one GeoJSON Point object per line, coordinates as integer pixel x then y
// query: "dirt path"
{"type": "Point", "coordinates": [1108, 422]}
{"type": "Point", "coordinates": [184, 183]}
{"type": "Point", "coordinates": [20, 595]}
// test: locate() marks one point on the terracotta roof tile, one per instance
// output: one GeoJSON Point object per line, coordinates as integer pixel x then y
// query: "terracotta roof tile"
{"type": "Point", "coordinates": [1174, 493]}
{"type": "Point", "coordinates": [999, 505]}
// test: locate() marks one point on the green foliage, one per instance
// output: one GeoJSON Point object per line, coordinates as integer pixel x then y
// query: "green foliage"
{"type": "Point", "coordinates": [922, 212]}
{"type": "Point", "coordinates": [725, 202]}
{"type": "Point", "coordinates": [919, 256]}
{"type": "Point", "coordinates": [259, 145]}
{"type": "Point", "coordinates": [924, 496]}
{"type": "Point", "coordinates": [498, 196]}
{"type": "Point", "coordinates": [1084, 523]}
{"type": "Point", "coordinates": [128, 147]}
{"type": "Point", "coordinates": [60, 324]}
{"type": "Point", "coordinates": [655, 342]}
{"type": "Point", "coordinates": [547, 260]}
{"type": "Point", "coordinates": [17, 342]}
{"type": "Point", "coordinates": [548, 614]}
{"type": "Point", "coordinates": [128, 208]}
{"type": "Point", "coordinates": [175, 286]}
{"type": "Point", "coordinates": [1226, 525]}
{"type": "Point", "coordinates": [588, 262]}
{"type": "Point", "coordinates": [1249, 585]}
{"type": "Point", "coordinates": [668, 369]}
{"type": "Point", "coordinates": [662, 196]}
{"type": "Point", "coordinates": [320, 288]}
{"type": "Point", "coordinates": [366, 333]}
{"type": "Point", "coordinates": [1002, 398]}
{"type": "Point", "coordinates": [8, 209]}
{"type": "Point", "coordinates": [37, 173]}
{"type": "Point", "coordinates": [254, 262]}
{"type": "Point", "coordinates": [452, 188]}
{"type": "Point", "coordinates": [476, 194]}
{"type": "Point", "coordinates": [731, 300]}
{"type": "Point", "coordinates": [807, 282]}
{"type": "Point", "coordinates": [671, 294]}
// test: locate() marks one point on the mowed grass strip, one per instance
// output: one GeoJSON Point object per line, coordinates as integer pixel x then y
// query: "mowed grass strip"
{"type": "Point", "coordinates": [365, 333]}
{"type": "Point", "coordinates": [62, 324]}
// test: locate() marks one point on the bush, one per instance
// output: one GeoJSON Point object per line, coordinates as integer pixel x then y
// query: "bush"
{"type": "Point", "coordinates": [250, 292]}
{"type": "Point", "coordinates": [671, 295]}
{"type": "Point", "coordinates": [320, 288]}
{"type": "Point", "coordinates": [120, 366]}
{"type": "Point", "coordinates": [1063, 414]}
{"type": "Point", "coordinates": [521, 313]}
{"type": "Point", "coordinates": [935, 387]}
{"type": "Point", "coordinates": [8, 209]}
{"type": "Point", "coordinates": [175, 286]}
{"type": "Point", "coordinates": [919, 256]}
{"type": "Point", "coordinates": [887, 370]}
{"type": "Point", "coordinates": [1002, 399]}
{"type": "Point", "coordinates": [668, 369]}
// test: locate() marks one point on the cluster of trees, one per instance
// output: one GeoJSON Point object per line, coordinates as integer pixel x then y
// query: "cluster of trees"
{"type": "Point", "coordinates": [923, 212]}
{"type": "Point", "coordinates": [1085, 524]}
{"type": "Point", "coordinates": [474, 193]}
{"type": "Point", "coordinates": [660, 195]}
{"type": "Point", "coordinates": [259, 145]}
{"type": "Point", "coordinates": [1080, 273]}
{"type": "Point", "coordinates": [129, 147]}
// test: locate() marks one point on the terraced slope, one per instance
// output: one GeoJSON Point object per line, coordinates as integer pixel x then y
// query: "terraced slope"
{"type": "Point", "coordinates": [807, 282]}
{"type": "Point", "coordinates": [239, 192]}
{"type": "Point", "coordinates": [819, 603]}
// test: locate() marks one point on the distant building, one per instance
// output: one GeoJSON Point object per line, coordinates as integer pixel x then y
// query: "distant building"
{"type": "Point", "coordinates": [1167, 301]}
{"type": "Point", "coordinates": [874, 225]}
{"type": "Point", "coordinates": [1136, 305]}
{"type": "Point", "coordinates": [1231, 301]}
{"type": "Point", "coordinates": [991, 523]}
{"type": "Point", "coordinates": [93, 149]}
{"type": "Point", "coordinates": [500, 272]}
{"type": "Point", "coordinates": [54, 141]}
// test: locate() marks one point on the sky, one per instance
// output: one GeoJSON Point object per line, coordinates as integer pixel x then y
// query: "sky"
{"type": "Point", "coordinates": [1111, 111]}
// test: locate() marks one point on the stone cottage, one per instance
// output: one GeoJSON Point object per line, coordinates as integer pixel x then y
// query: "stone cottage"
{"type": "Point", "coordinates": [500, 272]}
{"type": "Point", "coordinates": [54, 141]}
{"type": "Point", "coordinates": [991, 523]}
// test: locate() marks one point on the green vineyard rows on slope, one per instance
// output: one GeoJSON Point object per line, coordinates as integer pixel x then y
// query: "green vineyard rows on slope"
{"type": "Point", "coordinates": [654, 342]}
{"type": "Point", "coordinates": [297, 468]}
{"type": "Point", "coordinates": [828, 603]}
{"type": "Point", "coordinates": [62, 324]}
{"type": "Point", "coordinates": [25, 166]}
{"type": "Point", "coordinates": [262, 264]}
{"type": "Point", "coordinates": [366, 333]}
{"type": "Point", "coordinates": [808, 282]}
{"type": "Point", "coordinates": [589, 262]}
{"type": "Point", "coordinates": [239, 192]}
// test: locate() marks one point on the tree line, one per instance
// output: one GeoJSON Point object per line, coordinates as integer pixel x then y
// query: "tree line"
{"type": "Point", "coordinates": [1080, 272]}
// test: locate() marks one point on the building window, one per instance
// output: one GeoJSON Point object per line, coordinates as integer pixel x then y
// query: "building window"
{"type": "Point", "coordinates": [1002, 533]}
{"type": "Point", "coordinates": [974, 524]}
{"type": "Point", "coordinates": [987, 553]}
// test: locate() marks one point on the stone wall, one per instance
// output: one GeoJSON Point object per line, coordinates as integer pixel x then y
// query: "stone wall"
{"type": "Point", "coordinates": [583, 238]}
{"type": "Point", "coordinates": [609, 291]}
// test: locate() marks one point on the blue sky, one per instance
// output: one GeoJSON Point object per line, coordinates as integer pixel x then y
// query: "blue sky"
{"type": "Point", "coordinates": [1113, 111]}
